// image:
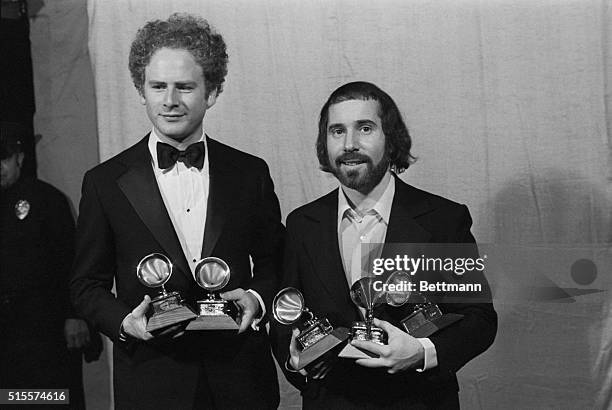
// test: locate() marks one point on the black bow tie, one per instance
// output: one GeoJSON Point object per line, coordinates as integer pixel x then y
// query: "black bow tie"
{"type": "Point", "coordinates": [193, 156]}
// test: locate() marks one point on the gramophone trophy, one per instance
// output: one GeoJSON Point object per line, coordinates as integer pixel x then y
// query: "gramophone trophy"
{"type": "Point", "coordinates": [316, 337]}
{"type": "Point", "coordinates": [214, 313]}
{"type": "Point", "coordinates": [364, 296]}
{"type": "Point", "coordinates": [154, 271]}
{"type": "Point", "coordinates": [426, 317]}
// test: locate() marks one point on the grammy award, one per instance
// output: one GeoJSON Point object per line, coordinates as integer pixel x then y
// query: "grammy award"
{"type": "Point", "coordinates": [168, 308]}
{"type": "Point", "coordinates": [364, 296]}
{"type": "Point", "coordinates": [317, 336]}
{"type": "Point", "coordinates": [426, 317]}
{"type": "Point", "coordinates": [214, 313]}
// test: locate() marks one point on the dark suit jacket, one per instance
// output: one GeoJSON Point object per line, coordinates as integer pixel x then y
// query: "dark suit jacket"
{"type": "Point", "coordinates": [313, 264]}
{"type": "Point", "coordinates": [122, 219]}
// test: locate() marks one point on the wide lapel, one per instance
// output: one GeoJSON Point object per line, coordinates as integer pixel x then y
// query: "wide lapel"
{"type": "Point", "coordinates": [407, 205]}
{"type": "Point", "coordinates": [223, 181]}
{"type": "Point", "coordinates": [139, 186]}
{"type": "Point", "coordinates": [326, 257]}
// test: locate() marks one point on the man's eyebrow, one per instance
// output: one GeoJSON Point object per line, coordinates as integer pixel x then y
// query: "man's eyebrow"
{"type": "Point", "coordinates": [178, 83]}
{"type": "Point", "coordinates": [335, 125]}
{"type": "Point", "coordinates": [184, 83]}
{"type": "Point", "coordinates": [365, 122]}
{"type": "Point", "coordinates": [358, 123]}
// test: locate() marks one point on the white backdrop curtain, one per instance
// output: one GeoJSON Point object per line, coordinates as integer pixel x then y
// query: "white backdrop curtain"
{"type": "Point", "coordinates": [509, 105]}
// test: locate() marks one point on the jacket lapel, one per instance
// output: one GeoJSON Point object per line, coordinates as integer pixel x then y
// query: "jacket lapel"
{"type": "Point", "coordinates": [326, 259]}
{"type": "Point", "coordinates": [139, 186]}
{"type": "Point", "coordinates": [403, 227]}
{"type": "Point", "coordinates": [220, 198]}
{"type": "Point", "coordinates": [407, 205]}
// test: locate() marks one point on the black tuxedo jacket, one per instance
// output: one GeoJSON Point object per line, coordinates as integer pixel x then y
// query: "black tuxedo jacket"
{"type": "Point", "coordinates": [313, 264]}
{"type": "Point", "coordinates": [123, 218]}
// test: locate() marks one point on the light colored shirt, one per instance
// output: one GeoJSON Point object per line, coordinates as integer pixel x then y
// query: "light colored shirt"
{"type": "Point", "coordinates": [184, 191]}
{"type": "Point", "coordinates": [361, 235]}
{"type": "Point", "coordinates": [363, 232]}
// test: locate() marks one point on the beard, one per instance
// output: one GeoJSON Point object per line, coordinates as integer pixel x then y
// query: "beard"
{"type": "Point", "coordinates": [360, 180]}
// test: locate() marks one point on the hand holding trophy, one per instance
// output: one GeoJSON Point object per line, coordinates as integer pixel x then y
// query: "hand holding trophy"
{"type": "Point", "coordinates": [403, 350]}
{"type": "Point", "coordinates": [316, 336]}
{"type": "Point", "coordinates": [214, 313]}
{"type": "Point", "coordinates": [154, 271]}
{"type": "Point", "coordinates": [364, 296]}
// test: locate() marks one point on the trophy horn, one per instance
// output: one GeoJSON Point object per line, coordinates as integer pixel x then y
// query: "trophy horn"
{"type": "Point", "coordinates": [154, 270]}
{"type": "Point", "coordinates": [288, 306]}
{"type": "Point", "coordinates": [212, 273]}
{"type": "Point", "coordinates": [364, 295]}
{"type": "Point", "coordinates": [398, 298]}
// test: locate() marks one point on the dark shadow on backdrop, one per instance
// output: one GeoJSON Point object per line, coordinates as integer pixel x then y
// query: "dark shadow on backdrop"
{"type": "Point", "coordinates": [544, 350]}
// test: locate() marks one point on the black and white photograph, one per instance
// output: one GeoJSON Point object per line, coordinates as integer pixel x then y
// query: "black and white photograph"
{"type": "Point", "coordinates": [313, 204]}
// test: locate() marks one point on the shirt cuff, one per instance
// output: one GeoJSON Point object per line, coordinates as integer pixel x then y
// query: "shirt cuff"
{"type": "Point", "coordinates": [431, 357]}
{"type": "Point", "coordinates": [290, 368]}
{"type": "Point", "coordinates": [255, 323]}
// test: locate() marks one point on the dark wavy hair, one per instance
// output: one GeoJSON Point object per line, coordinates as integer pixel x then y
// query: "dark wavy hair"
{"type": "Point", "coordinates": [181, 31]}
{"type": "Point", "coordinates": [397, 141]}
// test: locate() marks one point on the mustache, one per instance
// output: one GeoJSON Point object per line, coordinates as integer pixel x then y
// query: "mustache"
{"type": "Point", "coordinates": [352, 156]}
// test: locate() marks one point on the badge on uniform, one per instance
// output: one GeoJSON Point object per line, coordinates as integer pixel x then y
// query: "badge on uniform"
{"type": "Point", "coordinates": [22, 208]}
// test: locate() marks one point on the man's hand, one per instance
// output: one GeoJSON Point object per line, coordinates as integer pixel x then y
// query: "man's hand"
{"type": "Point", "coordinates": [249, 306]}
{"type": "Point", "coordinates": [135, 323]}
{"type": "Point", "coordinates": [403, 351]}
{"type": "Point", "coordinates": [76, 333]}
{"type": "Point", "coordinates": [317, 370]}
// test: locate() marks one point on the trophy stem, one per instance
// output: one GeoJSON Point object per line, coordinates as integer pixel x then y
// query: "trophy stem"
{"type": "Point", "coordinates": [164, 291]}
{"type": "Point", "coordinates": [368, 322]}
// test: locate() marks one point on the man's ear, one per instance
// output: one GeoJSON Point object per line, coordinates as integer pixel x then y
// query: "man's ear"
{"type": "Point", "coordinates": [212, 98]}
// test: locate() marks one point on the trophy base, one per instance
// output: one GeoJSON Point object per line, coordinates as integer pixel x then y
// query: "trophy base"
{"type": "Point", "coordinates": [324, 345]}
{"type": "Point", "coordinates": [351, 352]}
{"type": "Point", "coordinates": [416, 325]}
{"type": "Point", "coordinates": [359, 331]}
{"type": "Point", "coordinates": [220, 322]}
{"type": "Point", "coordinates": [169, 317]}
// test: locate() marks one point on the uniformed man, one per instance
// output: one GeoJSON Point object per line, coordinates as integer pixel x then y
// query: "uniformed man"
{"type": "Point", "coordinates": [42, 340]}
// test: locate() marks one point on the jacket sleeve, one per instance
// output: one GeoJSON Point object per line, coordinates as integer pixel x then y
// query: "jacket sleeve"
{"type": "Point", "coordinates": [466, 339]}
{"type": "Point", "coordinates": [267, 239]}
{"type": "Point", "coordinates": [94, 265]}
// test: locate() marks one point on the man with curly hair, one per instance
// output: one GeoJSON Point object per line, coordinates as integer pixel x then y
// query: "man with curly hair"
{"type": "Point", "coordinates": [180, 193]}
{"type": "Point", "coordinates": [364, 143]}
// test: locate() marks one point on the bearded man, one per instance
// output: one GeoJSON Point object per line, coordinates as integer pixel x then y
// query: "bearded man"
{"type": "Point", "coordinates": [364, 143]}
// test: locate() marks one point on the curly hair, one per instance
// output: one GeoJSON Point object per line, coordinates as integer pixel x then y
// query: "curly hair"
{"type": "Point", "coordinates": [397, 138]}
{"type": "Point", "coordinates": [180, 31]}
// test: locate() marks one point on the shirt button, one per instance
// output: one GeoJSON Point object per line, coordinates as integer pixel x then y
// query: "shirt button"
{"type": "Point", "coordinates": [188, 210]}
{"type": "Point", "coordinates": [362, 237]}
{"type": "Point", "coordinates": [194, 260]}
